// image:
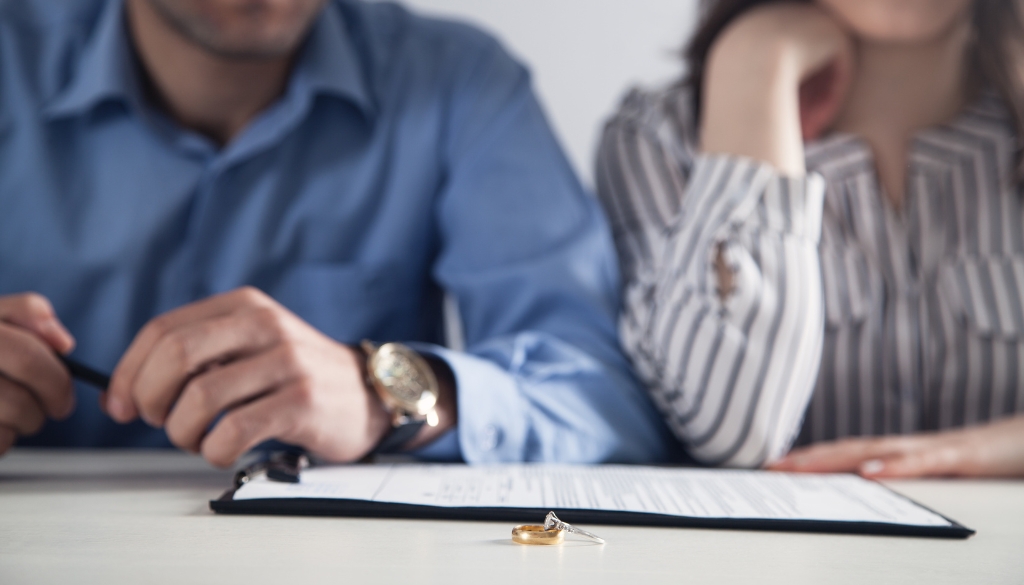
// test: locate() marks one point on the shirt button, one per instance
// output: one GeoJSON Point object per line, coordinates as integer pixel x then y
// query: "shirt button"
{"type": "Point", "coordinates": [490, 438]}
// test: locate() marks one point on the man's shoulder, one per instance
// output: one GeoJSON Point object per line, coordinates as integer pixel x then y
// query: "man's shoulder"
{"type": "Point", "coordinates": [391, 19]}
{"type": "Point", "coordinates": [42, 37]}
{"type": "Point", "coordinates": [396, 32]}
{"type": "Point", "coordinates": [38, 16]}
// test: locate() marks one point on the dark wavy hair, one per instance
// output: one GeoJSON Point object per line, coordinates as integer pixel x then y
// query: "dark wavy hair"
{"type": "Point", "coordinates": [998, 53]}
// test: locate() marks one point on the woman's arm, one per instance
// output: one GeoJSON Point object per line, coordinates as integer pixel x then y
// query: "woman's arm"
{"type": "Point", "coordinates": [775, 77]}
{"type": "Point", "coordinates": [723, 315]}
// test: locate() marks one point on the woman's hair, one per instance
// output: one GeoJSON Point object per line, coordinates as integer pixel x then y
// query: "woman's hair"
{"type": "Point", "coordinates": [998, 53]}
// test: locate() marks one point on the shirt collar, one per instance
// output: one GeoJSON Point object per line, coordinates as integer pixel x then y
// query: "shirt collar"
{"type": "Point", "coordinates": [984, 126]}
{"type": "Point", "coordinates": [106, 70]}
{"type": "Point", "coordinates": [329, 63]}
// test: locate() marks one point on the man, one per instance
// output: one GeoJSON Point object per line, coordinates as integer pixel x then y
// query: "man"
{"type": "Point", "coordinates": [222, 198]}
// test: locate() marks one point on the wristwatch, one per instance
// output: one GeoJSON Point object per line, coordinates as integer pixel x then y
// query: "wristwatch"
{"type": "Point", "coordinates": [408, 388]}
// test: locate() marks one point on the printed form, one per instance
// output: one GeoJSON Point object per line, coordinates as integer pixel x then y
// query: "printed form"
{"type": "Point", "coordinates": [695, 493]}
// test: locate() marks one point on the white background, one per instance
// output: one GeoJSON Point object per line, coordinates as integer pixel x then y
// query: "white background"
{"type": "Point", "coordinates": [584, 54]}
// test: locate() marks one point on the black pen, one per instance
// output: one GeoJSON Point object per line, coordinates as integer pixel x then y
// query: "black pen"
{"type": "Point", "coordinates": [84, 373]}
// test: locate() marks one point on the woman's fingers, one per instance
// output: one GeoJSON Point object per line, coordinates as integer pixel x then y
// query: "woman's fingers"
{"type": "Point", "coordinates": [822, 95]}
{"type": "Point", "coordinates": [992, 450]}
{"type": "Point", "coordinates": [845, 455]}
{"type": "Point", "coordinates": [931, 459]}
{"type": "Point", "coordinates": [828, 457]}
{"type": "Point", "coordinates": [889, 457]}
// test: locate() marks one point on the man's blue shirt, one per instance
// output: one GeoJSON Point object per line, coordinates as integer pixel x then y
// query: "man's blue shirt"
{"type": "Point", "coordinates": [406, 158]}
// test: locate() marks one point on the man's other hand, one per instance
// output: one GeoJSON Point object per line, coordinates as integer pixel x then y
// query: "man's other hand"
{"type": "Point", "coordinates": [267, 374]}
{"type": "Point", "coordinates": [34, 384]}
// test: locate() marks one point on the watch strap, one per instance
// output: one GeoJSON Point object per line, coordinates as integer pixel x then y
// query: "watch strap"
{"type": "Point", "coordinates": [398, 437]}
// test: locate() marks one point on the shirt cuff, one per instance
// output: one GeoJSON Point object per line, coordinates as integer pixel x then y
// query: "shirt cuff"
{"type": "Point", "coordinates": [728, 189]}
{"type": "Point", "coordinates": [444, 449]}
{"type": "Point", "coordinates": [491, 426]}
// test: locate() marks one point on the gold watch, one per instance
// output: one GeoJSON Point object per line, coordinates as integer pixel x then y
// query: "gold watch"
{"type": "Point", "coordinates": [408, 388]}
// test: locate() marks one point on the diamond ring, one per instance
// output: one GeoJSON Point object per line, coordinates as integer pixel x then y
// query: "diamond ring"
{"type": "Point", "coordinates": [551, 522]}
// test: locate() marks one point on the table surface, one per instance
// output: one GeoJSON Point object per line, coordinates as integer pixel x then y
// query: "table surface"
{"type": "Point", "coordinates": [143, 517]}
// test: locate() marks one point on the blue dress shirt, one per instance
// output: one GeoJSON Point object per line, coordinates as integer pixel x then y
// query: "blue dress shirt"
{"type": "Point", "coordinates": [407, 157]}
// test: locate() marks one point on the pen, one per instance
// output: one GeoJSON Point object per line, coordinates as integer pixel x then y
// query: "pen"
{"type": "Point", "coordinates": [279, 466]}
{"type": "Point", "coordinates": [84, 373]}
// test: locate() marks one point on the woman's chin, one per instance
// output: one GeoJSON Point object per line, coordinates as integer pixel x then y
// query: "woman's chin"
{"type": "Point", "coordinates": [898, 21]}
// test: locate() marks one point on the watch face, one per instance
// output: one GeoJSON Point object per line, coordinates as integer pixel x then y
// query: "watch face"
{"type": "Point", "coordinates": [406, 377]}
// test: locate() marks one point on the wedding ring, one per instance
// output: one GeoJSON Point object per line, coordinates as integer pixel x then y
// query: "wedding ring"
{"type": "Point", "coordinates": [551, 522]}
{"type": "Point", "coordinates": [533, 534]}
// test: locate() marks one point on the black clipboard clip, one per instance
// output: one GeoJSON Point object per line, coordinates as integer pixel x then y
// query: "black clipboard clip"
{"type": "Point", "coordinates": [282, 466]}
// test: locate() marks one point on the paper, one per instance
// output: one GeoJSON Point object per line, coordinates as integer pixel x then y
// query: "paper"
{"type": "Point", "coordinates": [695, 493]}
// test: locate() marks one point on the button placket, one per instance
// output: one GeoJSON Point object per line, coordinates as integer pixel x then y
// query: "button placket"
{"type": "Point", "coordinates": [489, 437]}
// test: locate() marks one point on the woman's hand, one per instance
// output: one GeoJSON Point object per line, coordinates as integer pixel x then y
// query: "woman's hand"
{"type": "Point", "coordinates": [775, 77]}
{"type": "Point", "coordinates": [992, 450]}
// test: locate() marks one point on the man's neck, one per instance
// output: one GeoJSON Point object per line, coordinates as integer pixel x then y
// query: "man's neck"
{"type": "Point", "coordinates": [900, 89]}
{"type": "Point", "coordinates": [210, 94]}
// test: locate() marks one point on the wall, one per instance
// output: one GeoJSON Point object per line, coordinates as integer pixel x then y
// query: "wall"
{"type": "Point", "coordinates": [583, 53]}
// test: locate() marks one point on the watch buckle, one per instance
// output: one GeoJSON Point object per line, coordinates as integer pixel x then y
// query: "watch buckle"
{"type": "Point", "coordinates": [399, 418]}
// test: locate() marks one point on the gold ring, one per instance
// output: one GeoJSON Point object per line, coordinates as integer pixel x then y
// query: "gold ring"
{"type": "Point", "coordinates": [533, 534]}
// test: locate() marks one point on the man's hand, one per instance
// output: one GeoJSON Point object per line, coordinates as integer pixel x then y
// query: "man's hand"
{"type": "Point", "coordinates": [270, 374]}
{"type": "Point", "coordinates": [776, 76]}
{"type": "Point", "coordinates": [992, 450]}
{"type": "Point", "coordinates": [34, 384]}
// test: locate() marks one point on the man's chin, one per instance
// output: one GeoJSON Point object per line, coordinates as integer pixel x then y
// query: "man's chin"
{"type": "Point", "coordinates": [257, 36]}
{"type": "Point", "coordinates": [248, 51]}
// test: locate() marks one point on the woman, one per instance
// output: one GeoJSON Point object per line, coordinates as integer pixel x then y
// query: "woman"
{"type": "Point", "coordinates": [823, 234]}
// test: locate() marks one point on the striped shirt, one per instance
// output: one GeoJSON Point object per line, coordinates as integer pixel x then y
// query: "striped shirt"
{"type": "Point", "coordinates": [847, 316]}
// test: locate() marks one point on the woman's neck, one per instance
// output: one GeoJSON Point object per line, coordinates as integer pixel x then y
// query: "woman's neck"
{"type": "Point", "coordinates": [900, 89]}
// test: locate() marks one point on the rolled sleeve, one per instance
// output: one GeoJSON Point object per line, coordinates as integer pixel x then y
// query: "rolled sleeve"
{"type": "Point", "coordinates": [733, 373]}
{"type": "Point", "coordinates": [529, 259]}
{"type": "Point", "coordinates": [491, 423]}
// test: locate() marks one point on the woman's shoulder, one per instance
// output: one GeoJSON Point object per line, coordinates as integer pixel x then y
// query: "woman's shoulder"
{"type": "Point", "coordinates": [662, 116]}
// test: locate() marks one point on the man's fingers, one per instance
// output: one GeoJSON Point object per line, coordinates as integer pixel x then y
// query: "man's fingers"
{"type": "Point", "coordinates": [28, 361]}
{"type": "Point", "coordinates": [34, 312]}
{"type": "Point", "coordinates": [7, 438]}
{"type": "Point", "coordinates": [119, 402]}
{"type": "Point", "coordinates": [19, 410]}
{"type": "Point", "coordinates": [220, 389]}
{"type": "Point", "coordinates": [194, 347]}
{"type": "Point", "coordinates": [249, 425]}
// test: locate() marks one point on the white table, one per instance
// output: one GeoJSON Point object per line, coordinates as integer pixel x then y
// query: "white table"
{"type": "Point", "coordinates": [143, 517]}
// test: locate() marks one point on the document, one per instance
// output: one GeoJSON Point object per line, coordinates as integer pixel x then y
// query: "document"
{"type": "Point", "coordinates": [681, 492]}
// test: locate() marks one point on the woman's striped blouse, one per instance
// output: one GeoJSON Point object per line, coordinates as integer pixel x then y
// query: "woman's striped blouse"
{"type": "Point", "coordinates": [848, 316]}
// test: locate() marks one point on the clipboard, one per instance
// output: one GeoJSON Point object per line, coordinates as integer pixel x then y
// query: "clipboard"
{"type": "Point", "coordinates": [443, 492]}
